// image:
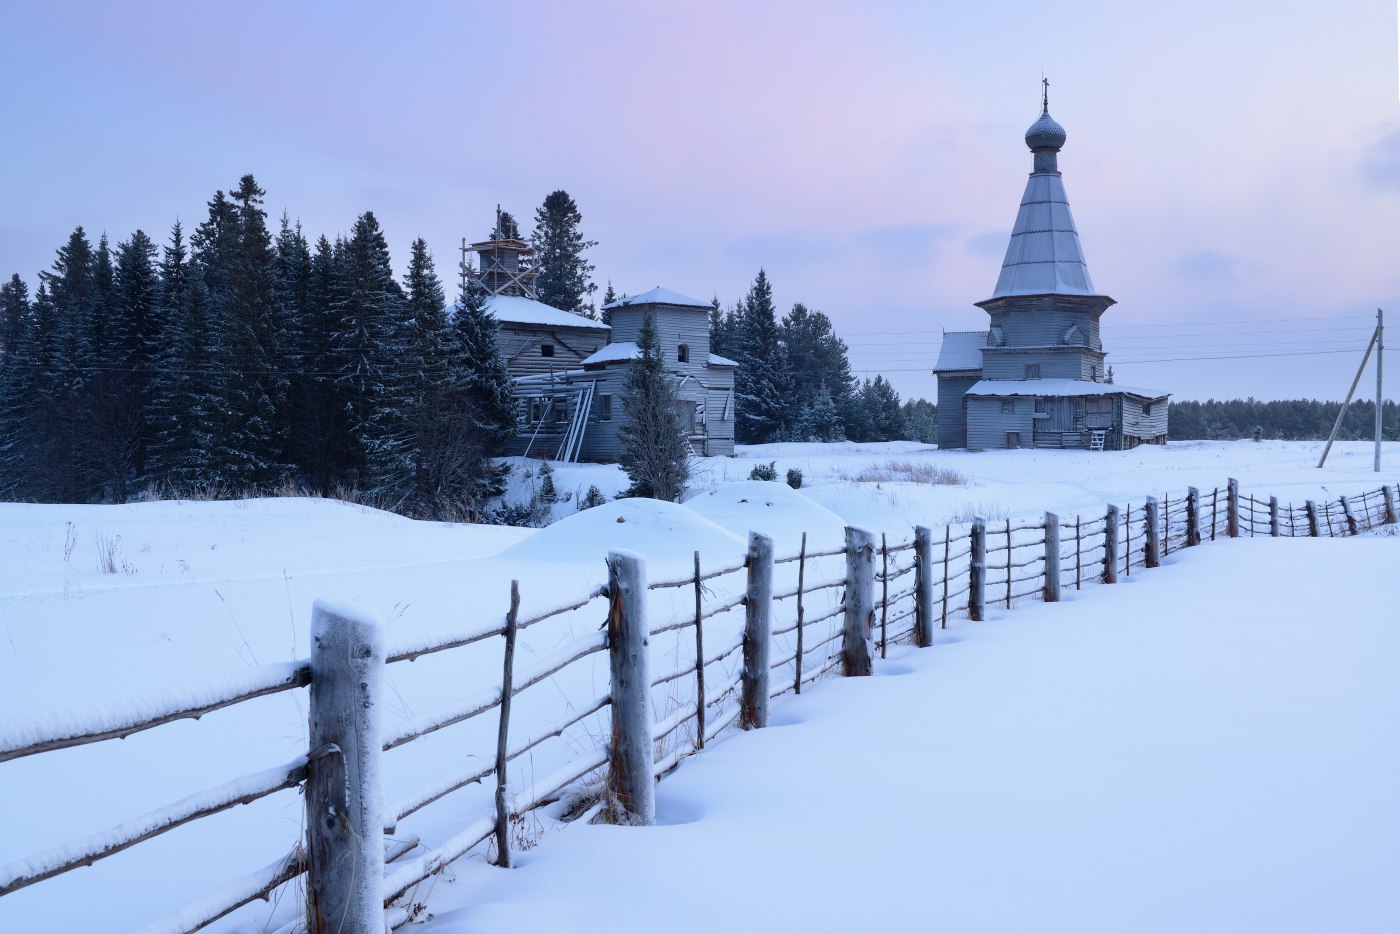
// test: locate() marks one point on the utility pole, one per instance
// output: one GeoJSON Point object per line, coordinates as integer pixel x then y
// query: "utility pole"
{"type": "Point", "coordinates": [1380, 359]}
{"type": "Point", "coordinates": [1373, 344]}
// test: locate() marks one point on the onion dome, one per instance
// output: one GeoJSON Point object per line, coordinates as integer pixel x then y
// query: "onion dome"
{"type": "Point", "coordinates": [1044, 134]}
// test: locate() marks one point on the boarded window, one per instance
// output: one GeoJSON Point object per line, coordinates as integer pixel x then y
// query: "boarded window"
{"type": "Point", "coordinates": [1032, 371]}
{"type": "Point", "coordinates": [1147, 408]}
{"type": "Point", "coordinates": [605, 408]}
{"type": "Point", "coordinates": [683, 354]}
{"type": "Point", "coordinates": [546, 350]}
{"type": "Point", "coordinates": [1008, 406]}
{"type": "Point", "coordinates": [1013, 439]}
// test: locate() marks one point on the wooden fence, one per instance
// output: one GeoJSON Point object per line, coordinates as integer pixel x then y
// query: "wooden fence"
{"type": "Point", "coordinates": [357, 870]}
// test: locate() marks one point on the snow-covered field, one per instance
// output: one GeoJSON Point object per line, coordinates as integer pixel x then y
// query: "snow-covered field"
{"type": "Point", "coordinates": [1109, 764]}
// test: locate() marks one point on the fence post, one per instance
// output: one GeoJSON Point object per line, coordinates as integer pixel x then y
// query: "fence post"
{"type": "Point", "coordinates": [977, 571]}
{"type": "Point", "coordinates": [1312, 519]}
{"type": "Point", "coordinates": [801, 583]}
{"type": "Point", "coordinates": [503, 732]}
{"type": "Point", "coordinates": [1153, 548]}
{"type": "Point", "coordinates": [700, 653]}
{"type": "Point", "coordinates": [1352, 527]}
{"type": "Point", "coordinates": [1273, 516]}
{"type": "Point", "coordinates": [1052, 558]}
{"type": "Point", "coordinates": [1389, 505]}
{"type": "Point", "coordinates": [344, 801]}
{"type": "Point", "coordinates": [631, 758]}
{"type": "Point", "coordinates": [758, 630]}
{"type": "Point", "coordinates": [1193, 519]}
{"type": "Point", "coordinates": [947, 539]}
{"type": "Point", "coordinates": [1232, 508]}
{"type": "Point", "coordinates": [860, 603]}
{"type": "Point", "coordinates": [923, 586]}
{"type": "Point", "coordinates": [1110, 545]}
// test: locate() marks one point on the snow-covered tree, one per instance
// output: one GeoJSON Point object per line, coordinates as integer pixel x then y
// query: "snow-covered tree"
{"type": "Point", "coordinates": [758, 383]}
{"type": "Point", "coordinates": [655, 452]}
{"type": "Point", "coordinates": [564, 274]}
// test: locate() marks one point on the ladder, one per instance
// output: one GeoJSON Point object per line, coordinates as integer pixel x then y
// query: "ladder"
{"type": "Point", "coordinates": [1096, 439]}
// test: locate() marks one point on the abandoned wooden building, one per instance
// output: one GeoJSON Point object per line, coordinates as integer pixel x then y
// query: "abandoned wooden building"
{"type": "Point", "coordinates": [1036, 376]}
{"type": "Point", "coordinates": [568, 371]}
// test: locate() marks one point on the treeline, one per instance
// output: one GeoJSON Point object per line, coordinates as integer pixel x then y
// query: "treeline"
{"type": "Point", "coordinates": [794, 381]}
{"type": "Point", "coordinates": [1287, 420]}
{"type": "Point", "coordinates": [239, 360]}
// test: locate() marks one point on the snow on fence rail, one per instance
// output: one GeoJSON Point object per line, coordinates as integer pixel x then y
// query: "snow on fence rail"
{"type": "Point", "coordinates": [886, 594]}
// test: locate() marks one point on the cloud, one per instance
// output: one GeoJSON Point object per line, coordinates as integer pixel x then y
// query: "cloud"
{"type": "Point", "coordinates": [1380, 162]}
{"type": "Point", "coordinates": [1207, 266]}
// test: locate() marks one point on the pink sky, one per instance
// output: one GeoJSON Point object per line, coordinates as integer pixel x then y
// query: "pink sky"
{"type": "Point", "coordinates": [1229, 166]}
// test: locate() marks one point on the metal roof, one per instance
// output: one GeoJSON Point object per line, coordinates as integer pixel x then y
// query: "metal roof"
{"type": "Point", "coordinates": [660, 296]}
{"type": "Point", "coordinates": [514, 309]}
{"type": "Point", "coordinates": [961, 350]}
{"type": "Point", "coordinates": [1047, 388]}
{"type": "Point", "coordinates": [1044, 257]}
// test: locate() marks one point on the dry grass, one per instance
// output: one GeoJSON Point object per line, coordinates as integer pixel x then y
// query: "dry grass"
{"type": "Point", "coordinates": [895, 471]}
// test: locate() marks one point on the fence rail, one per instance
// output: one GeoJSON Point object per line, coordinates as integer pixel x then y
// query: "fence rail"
{"type": "Point", "coordinates": [873, 604]}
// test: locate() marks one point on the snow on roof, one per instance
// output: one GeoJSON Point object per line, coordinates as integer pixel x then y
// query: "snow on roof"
{"type": "Point", "coordinates": [613, 353]}
{"type": "Point", "coordinates": [515, 309]}
{"type": "Point", "coordinates": [961, 350]}
{"type": "Point", "coordinates": [660, 296]}
{"type": "Point", "coordinates": [717, 360]}
{"type": "Point", "coordinates": [1058, 387]}
{"type": "Point", "coordinates": [1043, 257]}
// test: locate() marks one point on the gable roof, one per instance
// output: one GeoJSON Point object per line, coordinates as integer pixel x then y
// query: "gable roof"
{"type": "Point", "coordinates": [961, 350]}
{"type": "Point", "coordinates": [660, 296]}
{"type": "Point", "coordinates": [515, 309]}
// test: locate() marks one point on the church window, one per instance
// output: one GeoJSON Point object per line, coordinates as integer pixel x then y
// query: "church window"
{"type": "Point", "coordinates": [546, 350]}
{"type": "Point", "coordinates": [1032, 371]}
{"type": "Point", "coordinates": [683, 354]}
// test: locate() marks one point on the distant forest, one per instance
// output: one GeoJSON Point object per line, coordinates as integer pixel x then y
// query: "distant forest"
{"type": "Point", "coordinates": [1287, 420]}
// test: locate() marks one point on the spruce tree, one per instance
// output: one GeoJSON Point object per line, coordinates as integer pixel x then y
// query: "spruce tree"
{"type": "Point", "coordinates": [65, 316]}
{"type": "Point", "coordinates": [121, 392]}
{"type": "Point", "coordinates": [254, 326]}
{"type": "Point", "coordinates": [477, 372]}
{"type": "Point", "coordinates": [758, 391]}
{"type": "Point", "coordinates": [18, 369]}
{"type": "Point", "coordinates": [610, 296]}
{"type": "Point", "coordinates": [373, 343]}
{"type": "Point", "coordinates": [563, 280]}
{"type": "Point", "coordinates": [187, 388]}
{"type": "Point", "coordinates": [14, 308]}
{"type": "Point", "coordinates": [506, 228]}
{"type": "Point", "coordinates": [655, 453]}
{"type": "Point", "coordinates": [815, 364]}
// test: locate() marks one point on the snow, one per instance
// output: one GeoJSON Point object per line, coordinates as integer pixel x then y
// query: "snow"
{"type": "Point", "coordinates": [717, 360]}
{"type": "Point", "coordinates": [660, 296]}
{"type": "Point", "coordinates": [516, 309]}
{"type": "Point", "coordinates": [960, 350]}
{"type": "Point", "coordinates": [614, 353]}
{"type": "Point", "coordinates": [208, 597]}
{"type": "Point", "coordinates": [1057, 387]}
{"type": "Point", "coordinates": [1206, 747]}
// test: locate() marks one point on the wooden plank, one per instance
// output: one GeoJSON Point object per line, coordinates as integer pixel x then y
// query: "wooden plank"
{"type": "Point", "coordinates": [1051, 591]}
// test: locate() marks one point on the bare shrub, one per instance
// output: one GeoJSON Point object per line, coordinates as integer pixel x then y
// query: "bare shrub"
{"type": "Point", "coordinates": [895, 471]}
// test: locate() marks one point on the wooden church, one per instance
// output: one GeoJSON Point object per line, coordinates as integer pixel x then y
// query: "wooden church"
{"type": "Point", "coordinates": [568, 371]}
{"type": "Point", "coordinates": [1036, 376]}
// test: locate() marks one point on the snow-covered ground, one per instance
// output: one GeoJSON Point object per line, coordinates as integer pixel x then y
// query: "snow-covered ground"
{"type": "Point", "coordinates": [104, 607]}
